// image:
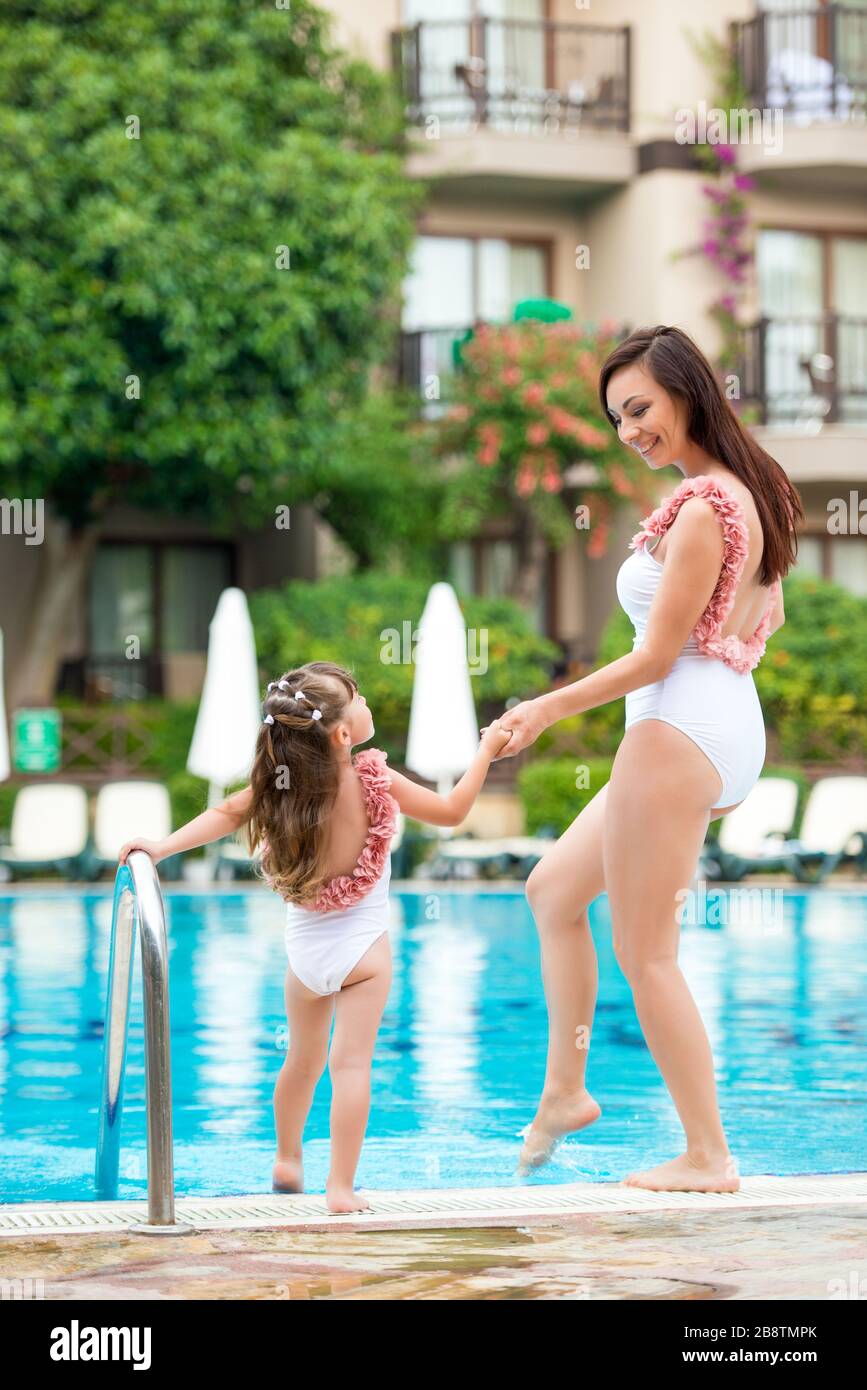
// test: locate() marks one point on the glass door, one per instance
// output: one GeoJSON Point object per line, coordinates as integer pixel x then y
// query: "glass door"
{"type": "Point", "coordinates": [849, 302]}
{"type": "Point", "coordinates": [789, 267]}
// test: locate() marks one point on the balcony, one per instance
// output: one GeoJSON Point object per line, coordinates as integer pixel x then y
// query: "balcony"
{"type": "Point", "coordinates": [503, 99]}
{"type": "Point", "coordinates": [806, 370]}
{"type": "Point", "coordinates": [810, 65]}
{"type": "Point", "coordinates": [426, 362]}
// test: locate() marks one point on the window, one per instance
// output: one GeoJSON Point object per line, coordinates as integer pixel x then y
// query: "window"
{"type": "Point", "coordinates": [162, 594]}
{"type": "Point", "coordinates": [842, 559]}
{"type": "Point", "coordinates": [453, 282]}
{"type": "Point", "coordinates": [813, 294]}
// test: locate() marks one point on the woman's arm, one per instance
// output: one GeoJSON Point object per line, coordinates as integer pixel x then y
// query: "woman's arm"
{"type": "Point", "coordinates": [433, 809]}
{"type": "Point", "coordinates": [692, 567]}
{"type": "Point", "coordinates": [211, 825]}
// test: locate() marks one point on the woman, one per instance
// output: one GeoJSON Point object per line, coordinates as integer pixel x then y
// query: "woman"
{"type": "Point", "coordinates": [703, 589]}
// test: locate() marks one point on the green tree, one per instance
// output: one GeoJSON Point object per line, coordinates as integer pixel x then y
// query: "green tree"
{"type": "Point", "coordinates": [204, 224]}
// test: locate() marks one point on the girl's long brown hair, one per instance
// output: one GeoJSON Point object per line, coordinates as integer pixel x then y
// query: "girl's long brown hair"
{"type": "Point", "coordinates": [295, 777]}
{"type": "Point", "coordinates": [681, 368]}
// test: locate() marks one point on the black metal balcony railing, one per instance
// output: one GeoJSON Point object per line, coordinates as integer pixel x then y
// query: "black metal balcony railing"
{"type": "Point", "coordinates": [811, 63]}
{"type": "Point", "coordinates": [806, 368]}
{"type": "Point", "coordinates": [510, 73]}
{"type": "Point", "coordinates": [426, 360]}
{"type": "Point", "coordinates": [112, 677]}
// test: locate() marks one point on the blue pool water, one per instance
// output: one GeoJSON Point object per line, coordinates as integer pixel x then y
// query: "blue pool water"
{"type": "Point", "coordinates": [461, 1053]}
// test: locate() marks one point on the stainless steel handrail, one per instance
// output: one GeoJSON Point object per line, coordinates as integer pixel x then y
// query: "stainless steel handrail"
{"type": "Point", "coordinates": [138, 898]}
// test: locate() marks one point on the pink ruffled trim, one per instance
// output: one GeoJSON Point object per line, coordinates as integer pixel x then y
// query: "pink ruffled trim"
{"type": "Point", "coordinates": [346, 889]}
{"type": "Point", "coordinates": [741, 654]}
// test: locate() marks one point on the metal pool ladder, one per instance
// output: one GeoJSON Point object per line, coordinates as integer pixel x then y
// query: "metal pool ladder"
{"type": "Point", "coordinates": [138, 899]}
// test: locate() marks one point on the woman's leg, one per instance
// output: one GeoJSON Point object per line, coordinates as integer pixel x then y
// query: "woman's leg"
{"type": "Point", "coordinates": [559, 890]}
{"type": "Point", "coordinates": [660, 796]}
{"type": "Point", "coordinates": [309, 1016]}
{"type": "Point", "coordinates": [359, 1012]}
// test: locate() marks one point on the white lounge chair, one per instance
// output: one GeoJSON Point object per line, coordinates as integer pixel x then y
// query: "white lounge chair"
{"type": "Point", "coordinates": [513, 856]}
{"type": "Point", "coordinates": [124, 810]}
{"type": "Point", "coordinates": [751, 837]}
{"type": "Point", "coordinates": [48, 830]}
{"type": "Point", "coordinates": [833, 831]}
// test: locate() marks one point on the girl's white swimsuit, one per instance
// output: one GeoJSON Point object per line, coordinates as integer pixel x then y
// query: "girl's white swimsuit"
{"type": "Point", "coordinates": [709, 693]}
{"type": "Point", "coordinates": [325, 942]}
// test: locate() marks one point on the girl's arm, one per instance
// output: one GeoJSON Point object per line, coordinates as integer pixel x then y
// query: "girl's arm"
{"type": "Point", "coordinates": [433, 809]}
{"type": "Point", "coordinates": [211, 825]}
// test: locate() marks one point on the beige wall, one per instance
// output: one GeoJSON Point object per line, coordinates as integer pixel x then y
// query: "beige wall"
{"type": "Point", "coordinates": [363, 27]}
{"type": "Point", "coordinates": [632, 237]}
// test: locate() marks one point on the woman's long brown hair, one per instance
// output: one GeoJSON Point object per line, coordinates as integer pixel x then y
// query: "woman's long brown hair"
{"type": "Point", "coordinates": [681, 368]}
{"type": "Point", "coordinates": [295, 777]}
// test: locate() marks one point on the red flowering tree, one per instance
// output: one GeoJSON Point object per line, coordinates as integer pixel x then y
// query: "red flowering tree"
{"type": "Point", "coordinates": [525, 411]}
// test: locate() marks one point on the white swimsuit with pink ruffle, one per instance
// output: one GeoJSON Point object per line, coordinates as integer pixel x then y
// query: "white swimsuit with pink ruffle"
{"type": "Point", "coordinates": [709, 693]}
{"type": "Point", "coordinates": [326, 941]}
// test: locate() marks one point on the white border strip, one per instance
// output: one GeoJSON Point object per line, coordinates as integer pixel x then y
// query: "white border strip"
{"type": "Point", "coordinates": [485, 1206]}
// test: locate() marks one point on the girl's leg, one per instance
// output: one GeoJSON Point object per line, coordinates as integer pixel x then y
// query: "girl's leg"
{"type": "Point", "coordinates": [559, 890]}
{"type": "Point", "coordinates": [660, 795]}
{"type": "Point", "coordinates": [359, 1012]}
{"type": "Point", "coordinates": [309, 1016]}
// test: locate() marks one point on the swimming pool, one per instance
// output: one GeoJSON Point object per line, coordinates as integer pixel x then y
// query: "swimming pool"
{"type": "Point", "coordinates": [461, 1053]}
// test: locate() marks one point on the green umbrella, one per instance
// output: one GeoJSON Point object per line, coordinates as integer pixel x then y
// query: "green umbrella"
{"type": "Point", "coordinates": [548, 310]}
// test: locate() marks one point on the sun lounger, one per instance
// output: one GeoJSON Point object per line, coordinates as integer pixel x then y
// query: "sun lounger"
{"type": "Point", "coordinates": [124, 810]}
{"type": "Point", "coordinates": [467, 857]}
{"type": "Point", "coordinates": [48, 831]}
{"type": "Point", "coordinates": [751, 837]}
{"type": "Point", "coordinates": [834, 830]}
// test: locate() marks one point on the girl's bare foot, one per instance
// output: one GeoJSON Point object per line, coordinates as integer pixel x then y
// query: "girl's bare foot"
{"type": "Point", "coordinates": [558, 1115]}
{"type": "Point", "coordinates": [343, 1199]}
{"type": "Point", "coordinates": [288, 1175]}
{"type": "Point", "coordinates": [714, 1173]}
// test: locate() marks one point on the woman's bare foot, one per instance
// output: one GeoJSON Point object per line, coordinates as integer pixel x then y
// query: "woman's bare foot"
{"type": "Point", "coordinates": [557, 1116]}
{"type": "Point", "coordinates": [343, 1199]}
{"type": "Point", "coordinates": [714, 1173]}
{"type": "Point", "coordinates": [288, 1175]}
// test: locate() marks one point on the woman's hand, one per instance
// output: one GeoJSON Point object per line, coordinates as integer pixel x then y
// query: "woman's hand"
{"type": "Point", "coordinates": [154, 848]}
{"type": "Point", "coordinates": [495, 738]}
{"type": "Point", "coordinates": [526, 722]}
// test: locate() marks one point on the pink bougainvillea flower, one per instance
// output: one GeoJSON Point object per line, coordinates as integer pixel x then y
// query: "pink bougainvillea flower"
{"type": "Point", "coordinates": [538, 433]}
{"type": "Point", "coordinates": [534, 393]}
{"type": "Point", "coordinates": [511, 376]}
{"type": "Point", "coordinates": [525, 481]}
{"type": "Point", "coordinates": [590, 437]}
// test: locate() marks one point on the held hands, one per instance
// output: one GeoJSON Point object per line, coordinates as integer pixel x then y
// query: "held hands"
{"type": "Point", "coordinates": [152, 847]}
{"type": "Point", "coordinates": [526, 722]}
{"type": "Point", "coordinates": [494, 739]}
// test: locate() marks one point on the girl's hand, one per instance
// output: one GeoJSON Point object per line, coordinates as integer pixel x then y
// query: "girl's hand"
{"type": "Point", "coordinates": [152, 847]}
{"type": "Point", "coordinates": [526, 722]}
{"type": "Point", "coordinates": [494, 738]}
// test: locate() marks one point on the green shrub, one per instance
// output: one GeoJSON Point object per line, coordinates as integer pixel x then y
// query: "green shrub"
{"type": "Point", "coordinates": [553, 791]}
{"type": "Point", "coordinates": [812, 681]}
{"type": "Point", "coordinates": [366, 622]}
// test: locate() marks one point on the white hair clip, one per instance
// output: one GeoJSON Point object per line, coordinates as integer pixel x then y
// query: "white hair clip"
{"type": "Point", "coordinates": [269, 719]}
{"type": "Point", "coordinates": [271, 685]}
{"type": "Point", "coordinates": [283, 685]}
{"type": "Point", "coordinates": [317, 714]}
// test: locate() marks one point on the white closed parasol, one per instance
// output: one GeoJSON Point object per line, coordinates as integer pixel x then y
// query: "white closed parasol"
{"type": "Point", "coordinates": [443, 727]}
{"type": "Point", "coordinates": [227, 724]}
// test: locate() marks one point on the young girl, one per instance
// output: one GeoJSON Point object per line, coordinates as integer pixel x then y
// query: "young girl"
{"type": "Point", "coordinates": [325, 822]}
